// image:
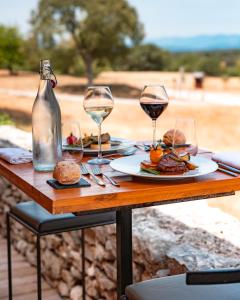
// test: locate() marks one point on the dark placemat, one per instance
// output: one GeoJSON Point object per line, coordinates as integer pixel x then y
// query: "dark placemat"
{"type": "Point", "coordinates": [58, 186]}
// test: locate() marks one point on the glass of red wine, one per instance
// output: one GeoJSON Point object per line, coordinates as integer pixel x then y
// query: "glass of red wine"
{"type": "Point", "coordinates": [154, 100]}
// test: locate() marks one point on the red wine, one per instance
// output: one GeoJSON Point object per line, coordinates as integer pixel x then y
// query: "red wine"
{"type": "Point", "coordinates": [154, 110]}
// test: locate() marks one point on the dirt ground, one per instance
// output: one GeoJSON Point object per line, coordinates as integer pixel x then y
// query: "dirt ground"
{"type": "Point", "coordinates": [217, 125]}
{"type": "Point", "coordinates": [122, 81]}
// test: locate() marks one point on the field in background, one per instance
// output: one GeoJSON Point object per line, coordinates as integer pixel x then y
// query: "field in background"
{"type": "Point", "coordinates": [218, 125]}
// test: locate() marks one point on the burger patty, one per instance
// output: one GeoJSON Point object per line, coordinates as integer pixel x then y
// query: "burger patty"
{"type": "Point", "coordinates": [168, 165]}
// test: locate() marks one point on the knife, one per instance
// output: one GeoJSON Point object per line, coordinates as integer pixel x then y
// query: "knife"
{"type": "Point", "coordinates": [94, 177]}
{"type": "Point", "coordinates": [227, 167]}
{"type": "Point", "coordinates": [227, 172]}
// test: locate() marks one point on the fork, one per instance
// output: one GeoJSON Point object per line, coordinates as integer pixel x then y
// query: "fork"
{"type": "Point", "coordinates": [98, 172]}
{"type": "Point", "coordinates": [86, 171]}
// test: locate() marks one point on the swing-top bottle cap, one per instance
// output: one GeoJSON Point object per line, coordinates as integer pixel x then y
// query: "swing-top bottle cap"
{"type": "Point", "coordinates": [45, 69]}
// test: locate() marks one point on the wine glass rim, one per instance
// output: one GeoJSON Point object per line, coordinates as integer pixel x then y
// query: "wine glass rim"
{"type": "Point", "coordinates": [154, 85]}
{"type": "Point", "coordinates": [98, 86]}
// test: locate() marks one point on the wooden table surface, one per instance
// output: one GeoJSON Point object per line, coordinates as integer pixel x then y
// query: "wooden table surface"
{"type": "Point", "coordinates": [133, 193]}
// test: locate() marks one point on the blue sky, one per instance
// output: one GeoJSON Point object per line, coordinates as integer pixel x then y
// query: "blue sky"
{"type": "Point", "coordinates": [161, 18]}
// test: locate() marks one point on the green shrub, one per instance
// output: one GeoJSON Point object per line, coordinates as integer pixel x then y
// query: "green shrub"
{"type": "Point", "coordinates": [5, 119]}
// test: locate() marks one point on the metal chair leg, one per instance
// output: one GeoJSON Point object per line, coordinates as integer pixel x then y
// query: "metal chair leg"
{"type": "Point", "coordinates": [39, 281]}
{"type": "Point", "coordinates": [83, 265]}
{"type": "Point", "coordinates": [9, 257]}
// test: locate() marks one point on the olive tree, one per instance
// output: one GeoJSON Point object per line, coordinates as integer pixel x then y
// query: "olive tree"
{"type": "Point", "coordinates": [99, 30]}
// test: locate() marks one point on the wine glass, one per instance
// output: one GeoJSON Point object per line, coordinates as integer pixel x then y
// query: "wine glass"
{"type": "Point", "coordinates": [72, 141]}
{"type": "Point", "coordinates": [185, 137]}
{"type": "Point", "coordinates": [98, 103]}
{"type": "Point", "coordinates": [154, 100]}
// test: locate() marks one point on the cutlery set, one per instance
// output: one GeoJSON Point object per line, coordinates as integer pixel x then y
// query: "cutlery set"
{"type": "Point", "coordinates": [96, 173]}
{"type": "Point", "coordinates": [234, 172]}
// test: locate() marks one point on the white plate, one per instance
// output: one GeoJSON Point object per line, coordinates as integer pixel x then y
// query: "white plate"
{"type": "Point", "coordinates": [131, 165]}
{"type": "Point", "coordinates": [124, 144]}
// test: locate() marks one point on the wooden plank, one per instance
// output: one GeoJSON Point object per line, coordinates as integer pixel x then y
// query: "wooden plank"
{"type": "Point", "coordinates": [18, 265]}
{"type": "Point", "coordinates": [48, 295]}
{"type": "Point", "coordinates": [133, 193]}
{"type": "Point", "coordinates": [22, 289]}
{"type": "Point", "coordinates": [24, 278]}
{"type": "Point", "coordinates": [18, 272]}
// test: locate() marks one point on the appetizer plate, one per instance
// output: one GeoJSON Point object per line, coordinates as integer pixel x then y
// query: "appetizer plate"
{"type": "Point", "coordinates": [121, 144]}
{"type": "Point", "coordinates": [131, 166]}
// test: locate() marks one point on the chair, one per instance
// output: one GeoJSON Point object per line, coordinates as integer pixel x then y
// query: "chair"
{"type": "Point", "coordinates": [41, 223]}
{"type": "Point", "coordinates": [209, 285]}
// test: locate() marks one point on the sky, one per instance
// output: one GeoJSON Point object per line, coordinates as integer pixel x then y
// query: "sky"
{"type": "Point", "coordinates": [161, 18]}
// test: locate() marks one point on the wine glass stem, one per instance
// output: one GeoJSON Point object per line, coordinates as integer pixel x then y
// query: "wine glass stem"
{"type": "Point", "coordinates": [154, 131]}
{"type": "Point", "coordinates": [99, 141]}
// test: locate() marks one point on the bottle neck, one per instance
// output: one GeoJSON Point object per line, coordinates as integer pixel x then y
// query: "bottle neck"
{"type": "Point", "coordinates": [43, 83]}
{"type": "Point", "coordinates": [45, 73]}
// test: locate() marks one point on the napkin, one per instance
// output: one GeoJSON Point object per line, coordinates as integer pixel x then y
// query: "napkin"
{"type": "Point", "coordinates": [15, 155]}
{"type": "Point", "coordinates": [231, 159]}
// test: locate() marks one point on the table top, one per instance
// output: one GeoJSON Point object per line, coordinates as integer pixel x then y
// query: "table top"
{"type": "Point", "coordinates": [131, 193]}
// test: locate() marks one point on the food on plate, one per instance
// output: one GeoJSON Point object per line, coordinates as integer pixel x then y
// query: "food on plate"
{"type": "Point", "coordinates": [164, 159]}
{"type": "Point", "coordinates": [169, 137]}
{"type": "Point", "coordinates": [104, 146]}
{"type": "Point", "coordinates": [156, 153]}
{"type": "Point", "coordinates": [190, 165]}
{"type": "Point", "coordinates": [146, 164]}
{"type": "Point", "coordinates": [67, 172]}
{"type": "Point", "coordinates": [169, 165]}
{"type": "Point", "coordinates": [168, 162]}
{"type": "Point", "coordinates": [72, 139]}
{"type": "Point", "coordinates": [92, 141]}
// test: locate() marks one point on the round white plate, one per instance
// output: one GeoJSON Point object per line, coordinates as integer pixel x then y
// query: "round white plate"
{"type": "Point", "coordinates": [131, 165]}
{"type": "Point", "coordinates": [124, 144]}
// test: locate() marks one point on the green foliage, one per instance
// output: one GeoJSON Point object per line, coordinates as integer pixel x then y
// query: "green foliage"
{"type": "Point", "coordinates": [220, 63]}
{"type": "Point", "coordinates": [145, 57]}
{"type": "Point", "coordinates": [99, 30]}
{"type": "Point", "coordinates": [11, 55]}
{"type": "Point", "coordinates": [86, 37]}
{"type": "Point", "coordinates": [5, 119]}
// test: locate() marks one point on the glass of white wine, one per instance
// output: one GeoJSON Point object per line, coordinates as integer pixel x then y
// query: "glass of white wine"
{"type": "Point", "coordinates": [98, 103]}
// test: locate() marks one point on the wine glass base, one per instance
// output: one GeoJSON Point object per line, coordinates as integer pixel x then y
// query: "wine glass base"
{"type": "Point", "coordinates": [99, 161]}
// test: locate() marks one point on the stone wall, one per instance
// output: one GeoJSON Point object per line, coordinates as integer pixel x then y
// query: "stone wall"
{"type": "Point", "coordinates": [167, 240]}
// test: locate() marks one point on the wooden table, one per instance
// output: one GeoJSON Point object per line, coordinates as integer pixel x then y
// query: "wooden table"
{"type": "Point", "coordinates": [131, 194]}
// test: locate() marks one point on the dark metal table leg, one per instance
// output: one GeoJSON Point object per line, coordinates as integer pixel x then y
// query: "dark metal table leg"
{"type": "Point", "coordinates": [39, 269]}
{"type": "Point", "coordinates": [124, 250]}
{"type": "Point", "coordinates": [83, 266]}
{"type": "Point", "coordinates": [9, 257]}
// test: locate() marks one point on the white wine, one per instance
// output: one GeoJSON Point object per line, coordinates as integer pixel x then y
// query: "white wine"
{"type": "Point", "coordinates": [99, 113]}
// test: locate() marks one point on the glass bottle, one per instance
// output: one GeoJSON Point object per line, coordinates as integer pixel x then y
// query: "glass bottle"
{"type": "Point", "coordinates": [46, 122]}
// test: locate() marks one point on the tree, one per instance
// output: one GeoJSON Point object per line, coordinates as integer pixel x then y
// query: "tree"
{"type": "Point", "coordinates": [11, 55]}
{"type": "Point", "coordinates": [145, 57]}
{"type": "Point", "coordinates": [100, 30]}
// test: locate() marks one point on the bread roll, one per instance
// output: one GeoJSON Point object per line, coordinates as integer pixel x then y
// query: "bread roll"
{"type": "Point", "coordinates": [169, 136]}
{"type": "Point", "coordinates": [67, 172]}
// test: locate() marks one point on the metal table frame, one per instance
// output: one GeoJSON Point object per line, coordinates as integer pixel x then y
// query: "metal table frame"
{"type": "Point", "coordinates": [124, 240]}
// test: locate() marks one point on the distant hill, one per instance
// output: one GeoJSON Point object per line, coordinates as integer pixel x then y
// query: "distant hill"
{"type": "Point", "coordinates": [198, 43]}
